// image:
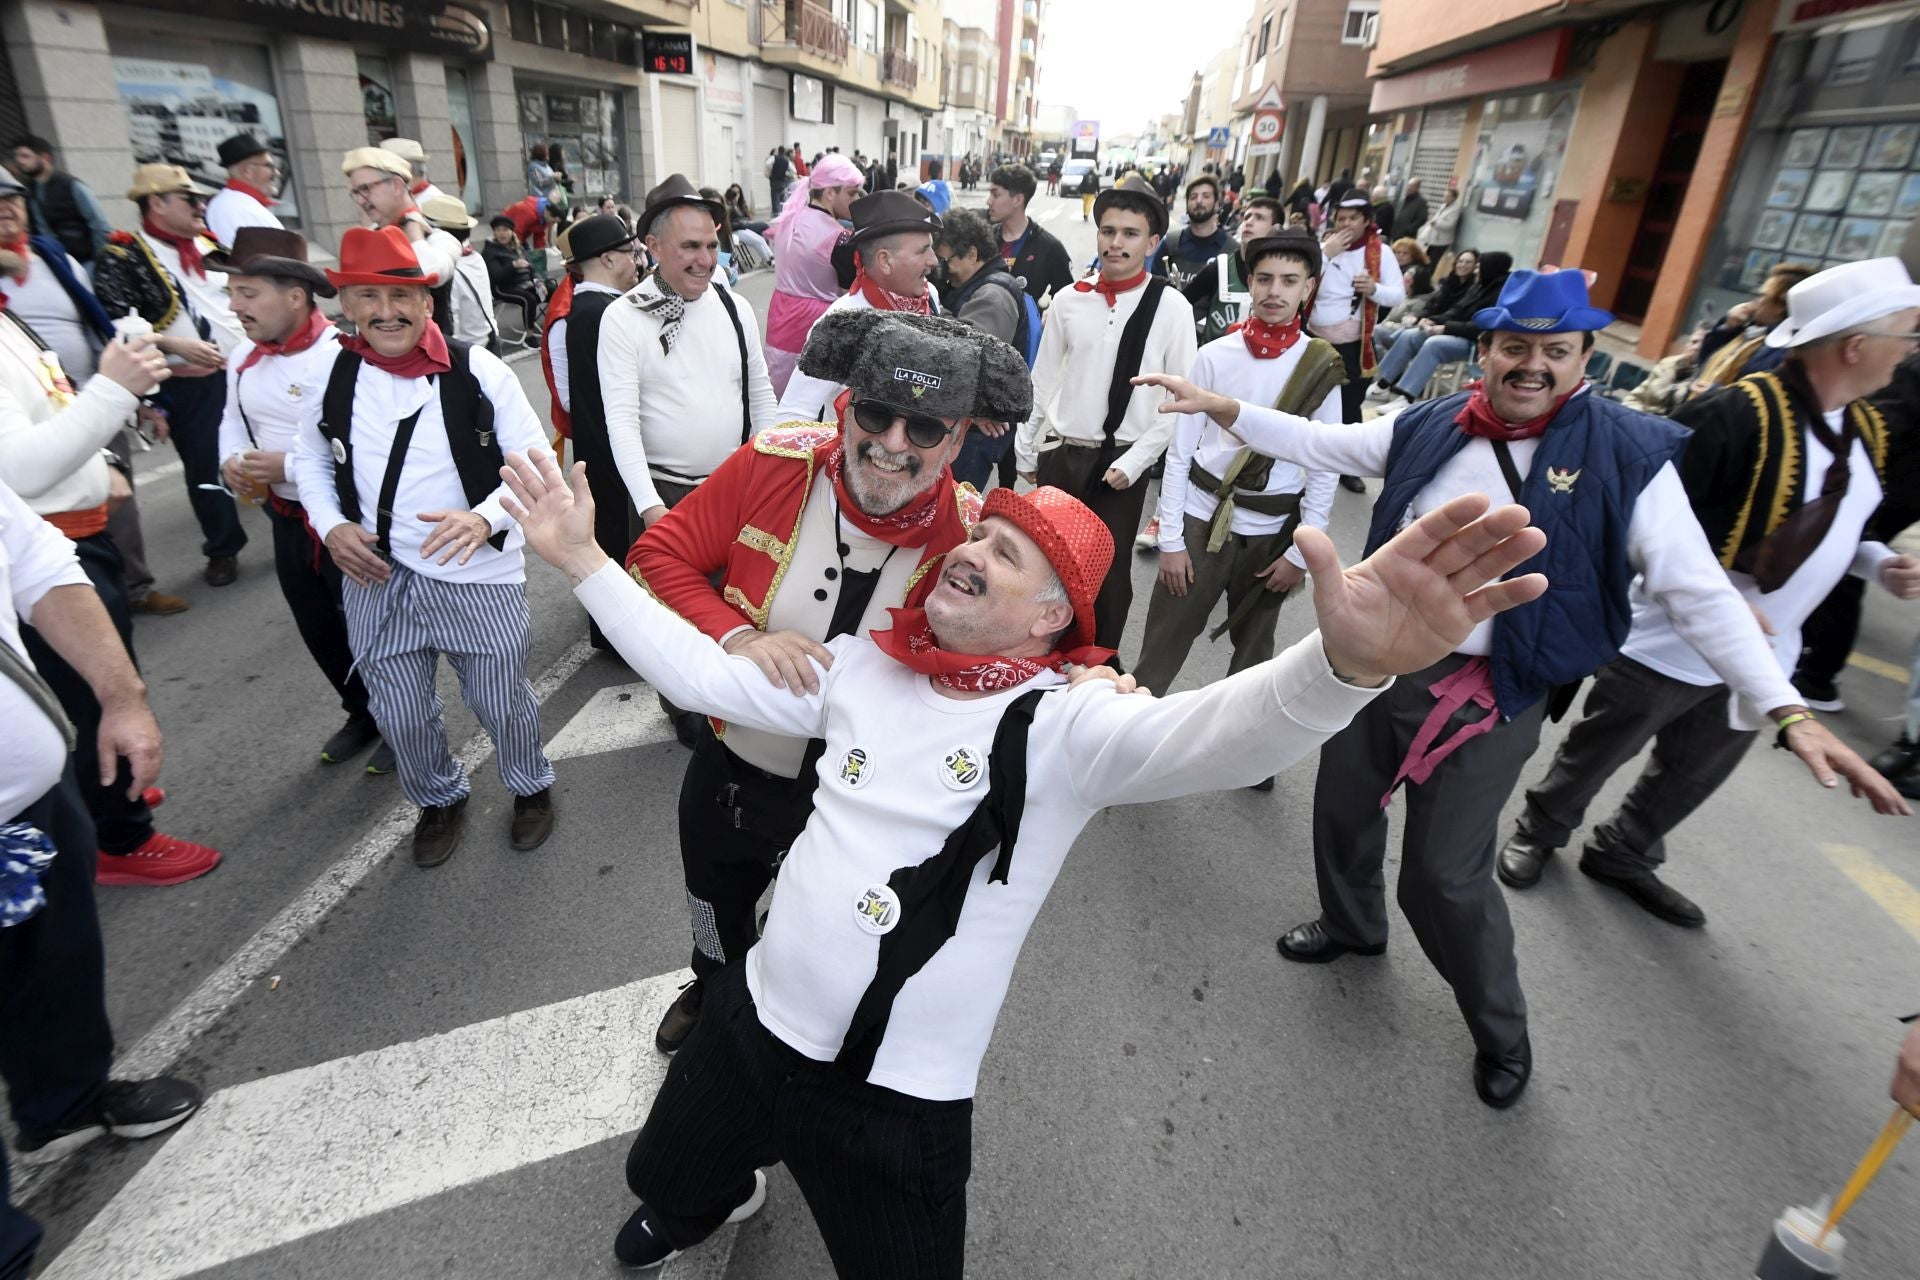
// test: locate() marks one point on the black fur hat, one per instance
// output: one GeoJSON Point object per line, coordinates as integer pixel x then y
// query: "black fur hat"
{"type": "Point", "coordinates": [931, 364]}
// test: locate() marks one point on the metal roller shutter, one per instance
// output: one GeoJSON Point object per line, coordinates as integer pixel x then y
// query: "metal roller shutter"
{"type": "Point", "coordinates": [679, 131]}
{"type": "Point", "coordinates": [1438, 147]}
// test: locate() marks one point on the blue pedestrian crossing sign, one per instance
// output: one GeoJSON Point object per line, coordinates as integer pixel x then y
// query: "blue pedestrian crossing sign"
{"type": "Point", "coordinates": [1217, 137]}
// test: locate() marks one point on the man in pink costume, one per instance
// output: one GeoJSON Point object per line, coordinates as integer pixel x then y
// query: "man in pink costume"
{"type": "Point", "coordinates": [803, 237]}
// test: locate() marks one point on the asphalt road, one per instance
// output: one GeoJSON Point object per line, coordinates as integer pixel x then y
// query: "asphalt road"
{"type": "Point", "coordinates": [436, 1074]}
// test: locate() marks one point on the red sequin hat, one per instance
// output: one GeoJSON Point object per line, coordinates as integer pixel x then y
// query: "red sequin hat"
{"type": "Point", "coordinates": [1072, 538]}
{"type": "Point", "coordinates": [384, 256]}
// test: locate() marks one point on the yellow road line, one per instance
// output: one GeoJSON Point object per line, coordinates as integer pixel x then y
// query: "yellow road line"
{"type": "Point", "coordinates": [1891, 893]}
{"type": "Point", "coordinates": [1879, 667]}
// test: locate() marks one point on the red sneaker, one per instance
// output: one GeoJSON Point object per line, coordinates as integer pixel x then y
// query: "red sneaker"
{"type": "Point", "coordinates": [161, 860]}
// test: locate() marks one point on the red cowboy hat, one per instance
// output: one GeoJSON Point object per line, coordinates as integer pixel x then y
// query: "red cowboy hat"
{"type": "Point", "coordinates": [1074, 541]}
{"type": "Point", "coordinates": [384, 256]}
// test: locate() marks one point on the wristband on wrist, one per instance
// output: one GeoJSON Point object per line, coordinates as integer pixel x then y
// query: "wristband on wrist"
{"type": "Point", "coordinates": [1787, 722]}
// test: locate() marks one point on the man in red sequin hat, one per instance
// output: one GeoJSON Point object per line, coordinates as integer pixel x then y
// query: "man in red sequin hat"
{"type": "Point", "coordinates": [959, 767]}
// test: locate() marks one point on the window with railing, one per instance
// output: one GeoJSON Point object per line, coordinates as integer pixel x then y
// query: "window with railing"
{"type": "Point", "coordinates": [899, 69]}
{"type": "Point", "coordinates": [807, 26]}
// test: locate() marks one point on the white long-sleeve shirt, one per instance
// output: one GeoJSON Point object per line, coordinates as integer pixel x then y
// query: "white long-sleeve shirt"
{"type": "Point", "coordinates": [428, 480]}
{"type": "Point", "coordinates": [1226, 365]}
{"type": "Point", "coordinates": [1074, 370]}
{"type": "Point", "coordinates": [229, 210]}
{"type": "Point", "coordinates": [204, 296]}
{"type": "Point", "coordinates": [893, 786]}
{"type": "Point", "coordinates": [35, 558]}
{"type": "Point", "coordinates": [473, 321]}
{"type": "Point", "coordinates": [1335, 316]}
{"type": "Point", "coordinates": [679, 411]}
{"type": "Point", "coordinates": [52, 458]}
{"type": "Point", "coordinates": [1665, 543]}
{"type": "Point", "coordinates": [274, 398]}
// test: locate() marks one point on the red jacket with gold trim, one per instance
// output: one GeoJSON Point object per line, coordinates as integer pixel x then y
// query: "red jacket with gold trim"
{"type": "Point", "coordinates": [742, 523]}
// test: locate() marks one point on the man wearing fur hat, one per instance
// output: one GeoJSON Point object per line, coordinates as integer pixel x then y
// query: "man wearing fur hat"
{"type": "Point", "coordinates": [253, 184]}
{"type": "Point", "coordinates": [885, 266]}
{"type": "Point", "coordinates": [1108, 433]}
{"type": "Point", "coordinates": [956, 770]}
{"type": "Point", "coordinates": [398, 467]}
{"type": "Point", "coordinates": [812, 533]}
{"type": "Point", "coordinates": [275, 375]}
{"type": "Point", "coordinates": [1600, 481]}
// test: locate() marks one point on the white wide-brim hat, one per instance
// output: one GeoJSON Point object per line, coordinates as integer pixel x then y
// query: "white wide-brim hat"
{"type": "Point", "coordinates": [1839, 298]}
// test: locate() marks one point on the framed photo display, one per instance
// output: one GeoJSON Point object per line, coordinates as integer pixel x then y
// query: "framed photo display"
{"type": "Point", "coordinates": [1893, 238]}
{"type": "Point", "coordinates": [1772, 230]}
{"type": "Point", "coordinates": [1892, 146]}
{"type": "Point", "coordinates": [1811, 235]}
{"type": "Point", "coordinates": [1856, 238]}
{"type": "Point", "coordinates": [1874, 194]}
{"type": "Point", "coordinates": [1909, 202]}
{"type": "Point", "coordinates": [1847, 147]}
{"type": "Point", "coordinates": [1803, 148]}
{"type": "Point", "coordinates": [1790, 188]}
{"type": "Point", "coordinates": [1828, 194]}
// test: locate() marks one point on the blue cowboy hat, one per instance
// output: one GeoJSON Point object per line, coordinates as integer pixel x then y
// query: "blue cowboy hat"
{"type": "Point", "coordinates": [1543, 302]}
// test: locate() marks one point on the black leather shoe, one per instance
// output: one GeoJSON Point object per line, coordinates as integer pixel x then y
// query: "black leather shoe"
{"type": "Point", "coordinates": [1652, 893]}
{"type": "Point", "coordinates": [532, 820]}
{"type": "Point", "coordinates": [1309, 944]}
{"type": "Point", "coordinates": [1500, 1078]}
{"type": "Point", "coordinates": [682, 1016]}
{"type": "Point", "coordinates": [1521, 862]}
{"type": "Point", "coordinates": [222, 570]}
{"type": "Point", "coordinates": [1353, 484]}
{"type": "Point", "coordinates": [1900, 758]}
{"type": "Point", "coordinates": [438, 832]}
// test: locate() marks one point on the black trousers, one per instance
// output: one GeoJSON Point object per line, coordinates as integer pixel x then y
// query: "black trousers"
{"type": "Point", "coordinates": [310, 584]}
{"type": "Point", "coordinates": [884, 1174]}
{"type": "Point", "coordinates": [1354, 394]}
{"type": "Point", "coordinates": [1446, 890]}
{"type": "Point", "coordinates": [736, 821]}
{"type": "Point", "coordinates": [122, 825]}
{"type": "Point", "coordinates": [194, 406]}
{"type": "Point", "coordinates": [123, 526]}
{"type": "Point", "coordinates": [1079, 472]}
{"type": "Point", "coordinates": [1694, 751]}
{"type": "Point", "coordinates": [56, 1045]}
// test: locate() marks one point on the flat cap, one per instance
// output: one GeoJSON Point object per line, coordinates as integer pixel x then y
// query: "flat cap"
{"type": "Point", "coordinates": [376, 158]}
{"type": "Point", "coordinates": [931, 364]}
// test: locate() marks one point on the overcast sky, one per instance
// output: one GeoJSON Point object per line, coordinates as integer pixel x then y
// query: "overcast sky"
{"type": "Point", "coordinates": [1124, 62]}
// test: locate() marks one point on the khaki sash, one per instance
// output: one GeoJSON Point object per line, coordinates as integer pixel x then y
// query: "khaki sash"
{"type": "Point", "coordinates": [1318, 374]}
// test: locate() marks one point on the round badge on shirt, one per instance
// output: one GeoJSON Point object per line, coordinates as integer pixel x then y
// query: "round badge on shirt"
{"type": "Point", "coordinates": [963, 767]}
{"type": "Point", "coordinates": [340, 452]}
{"type": "Point", "coordinates": [877, 910]}
{"type": "Point", "coordinates": [856, 768]}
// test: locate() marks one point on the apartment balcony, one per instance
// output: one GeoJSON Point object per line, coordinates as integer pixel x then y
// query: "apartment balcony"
{"type": "Point", "coordinates": [1030, 13]}
{"type": "Point", "coordinates": [899, 71]}
{"type": "Point", "coordinates": [1027, 49]}
{"type": "Point", "coordinates": [803, 37]}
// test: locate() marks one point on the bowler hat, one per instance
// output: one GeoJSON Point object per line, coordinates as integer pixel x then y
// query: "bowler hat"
{"type": "Point", "coordinates": [1543, 302]}
{"type": "Point", "coordinates": [272, 252]}
{"type": "Point", "coordinates": [1075, 541]}
{"type": "Point", "coordinates": [1136, 193]}
{"type": "Point", "coordinates": [1839, 298]}
{"type": "Point", "coordinates": [936, 365]}
{"type": "Point", "coordinates": [884, 213]}
{"type": "Point", "coordinates": [677, 189]}
{"type": "Point", "coordinates": [1294, 243]}
{"type": "Point", "coordinates": [591, 237]}
{"type": "Point", "coordinates": [161, 180]}
{"type": "Point", "coordinates": [383, 256]}
{"type": "Point", "coordinates": [241, 146]}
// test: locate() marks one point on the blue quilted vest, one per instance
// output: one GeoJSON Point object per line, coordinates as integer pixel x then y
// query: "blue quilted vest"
{"type": "Point", "coordinates": [1591, 467]}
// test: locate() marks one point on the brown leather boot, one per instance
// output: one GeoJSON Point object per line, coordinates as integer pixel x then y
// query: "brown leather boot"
{"type": "Point", "coordinates": [438, 832]}
{"type": "Point", "coordinates": [532, 819]}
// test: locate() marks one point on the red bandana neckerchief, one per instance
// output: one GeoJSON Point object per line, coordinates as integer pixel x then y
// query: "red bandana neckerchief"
{"type": "Point", "coordinates": [23, 251]}
{"type": "Point", "coordinates": [429, 356]}
{"type": "Point", "coordinates": [1477, 417]}
{"type": "Point", "coordinates": [1110, 291]}
{"type": "Point", "coordinates": [418, 187]}
{"type": "Point", "coordinates": [909, 526]}
{"type": "Point", "coordinates": [887, 299]}
{"type": "Point", "coordinates": [248, 189]}
{"type": "Point", "coordinates": [293, 344]}
{"type": "Point", "coordinates": [911, 643]}
{"type": "Point", "coordinates": [1267, 341]}
{"type": "Point", "coordinates": [188, 246]}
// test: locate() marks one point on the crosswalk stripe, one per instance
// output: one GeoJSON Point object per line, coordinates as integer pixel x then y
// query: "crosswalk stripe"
{"type": "Point", "coordinates": [616, 718]}
{"type": "Point", "coordinates": [270, 1162]}
{"type": "Point", "coordinates": [1879, 667]}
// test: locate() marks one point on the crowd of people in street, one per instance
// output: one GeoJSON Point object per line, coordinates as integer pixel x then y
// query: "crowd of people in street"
{"type": "Point", "coordinates": [907, 498]}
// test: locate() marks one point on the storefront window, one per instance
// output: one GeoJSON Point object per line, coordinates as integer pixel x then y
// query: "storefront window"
{"type": "Point", "coordinates": [185, 97]}
{"type": "Point", "coordinates": [376, 100]}
{"type": "Point", "coordinates": [1830, 170]}
{"type": "Point", "coordinates": [583, 132]}
{"type": "Point", "coordinates": [465, 172]}
{"type": "Point", "coordinates": [1508, 202]}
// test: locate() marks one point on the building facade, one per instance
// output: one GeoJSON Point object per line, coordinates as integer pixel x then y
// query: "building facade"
{"type": "Point", "coordinates": [1017, 30]}
{"type": "Point", "coordinates": [969, 79]}
{"type": "Point", "coordinates": [1314, 53]}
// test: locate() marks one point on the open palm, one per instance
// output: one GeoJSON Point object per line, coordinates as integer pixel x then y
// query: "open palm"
{"type": "Point", "coordinates": [1416, 599]}
{"type": "Point", "coordinates": [554, 507]}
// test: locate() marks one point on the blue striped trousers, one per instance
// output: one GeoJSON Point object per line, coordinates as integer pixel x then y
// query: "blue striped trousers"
{"type": "Point", "coordinates": [398, 631]}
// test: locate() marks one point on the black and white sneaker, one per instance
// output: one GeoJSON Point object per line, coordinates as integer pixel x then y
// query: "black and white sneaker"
{"type": "Point", "coordinates": [1821, 695]}
{"type": "Point", "coordinates": [641, 1246]}
{"type": "Point", "coordinates": [125, 1109]}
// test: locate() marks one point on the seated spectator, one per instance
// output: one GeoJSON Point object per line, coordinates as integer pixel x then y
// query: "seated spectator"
{"type": "Point", "coordinates": [1414, 267]}
{"type": "Point", "coordinates": [1737, 346]}
{"type": "Point", "coordinates": [1666, 386]}
{"type": "Point", "coordinates": [1438, 338]}
{"type": "Point", "coordinates": [511, 273]}
{"type": "Point", "coordinates": [740, 212]}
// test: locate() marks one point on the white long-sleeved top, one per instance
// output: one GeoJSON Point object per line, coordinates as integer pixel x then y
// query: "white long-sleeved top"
{"type": "Point", "coordinates": [473, 321]}
{"type": "Point", "coordinates": [890, 793]}
{"type": "Point", "coordinates": [810, 399]}
{"type": "Point", "coordinates": [428, 480]}
{"type": "Point", "coordinates": [203, 295]}
{"type": "Point", "coordinates": [438, 253]}
{"type": "Point", "coordinates": [273, 398]}
{"type": "Point", "coordinates": [556, 343]}
{"type": "Point", "coordinates": [1074, 369]}
{"type": "Point", "coordinates": [52, 458]}
{"type": "Point", "coordinates": [679, 411]}
{"type": "Point", "coordinates": [1334, 315]}
{"type": "Point", "coordinates": [1226, 365]}
{"type": "Point", "coordinates": [1665, 543]}
{"type": "Point", "coordinates": [35, 558]}
{"type": "Point", "coordinates": [229, 210]}
{"type": "Point", "coordinates": [1656, 642]}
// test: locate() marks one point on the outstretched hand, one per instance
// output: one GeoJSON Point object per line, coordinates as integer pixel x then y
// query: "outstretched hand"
{"type": "Point", "coordinates": [1415, 600]}
{"type": "Point", "coordinates": [554, 510]}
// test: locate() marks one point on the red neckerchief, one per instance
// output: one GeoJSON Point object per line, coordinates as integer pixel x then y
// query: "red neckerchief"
{"type": "Point", "coordinates": [248, 189]}
{"type": "Point", "coordinates": [418, 187]}
{"type": "Point", "coordinates": [1477, 417]}
{"type": "Point", "coordinates": [1111, 292]}
{"type": "Point", "coordinates": [23, 251]}
{"type": "Point", "coordinates": [188, 246]}
{"type": "Point", "coordinates": [293, 344]}
{"type": "Point", "coordinates": [429, 356]}
{"type": "Point", "coordinates": [559, 306]}
{"type": "Point", "coordinates": [909, 526]}
{"type": "Point", "coordinates": [1267, 341]}
{"type": "Point", "coordinates": [887, 299]}
{"type": "Point", "coordinates": [911, 643]}
{"type": "Point", "coordinates": [1369, 359]}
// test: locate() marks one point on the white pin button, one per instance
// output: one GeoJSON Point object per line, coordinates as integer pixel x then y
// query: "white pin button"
{"type": "Point", "coordinates": [962, 767]}
{"type": "Point", "coordinates": [877, 910]}
{"type": "Point", "coordinates": [856, 768]}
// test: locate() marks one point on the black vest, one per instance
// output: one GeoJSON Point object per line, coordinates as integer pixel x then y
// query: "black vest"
{"type": "Point", "coordinates": [469, 420]}
{"type": "Point", "coordinates": [63, 217]}
{"type": "Point", "coordinates": [588, 410]}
